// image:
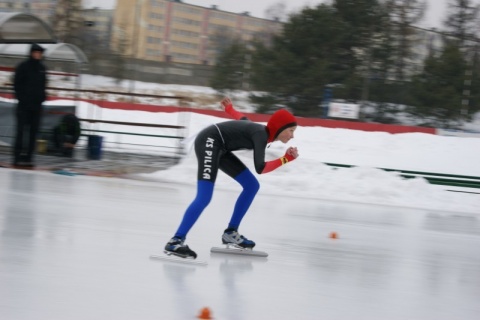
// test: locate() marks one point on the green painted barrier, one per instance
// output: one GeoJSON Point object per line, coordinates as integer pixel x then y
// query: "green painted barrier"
{"type": "Point", "coordinates": [444, 179]}
{"type": "Point", "coordinates": [136, 134]}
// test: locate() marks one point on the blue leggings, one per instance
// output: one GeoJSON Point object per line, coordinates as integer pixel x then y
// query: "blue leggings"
{"type": "Point", "coordinates": [204, 195]}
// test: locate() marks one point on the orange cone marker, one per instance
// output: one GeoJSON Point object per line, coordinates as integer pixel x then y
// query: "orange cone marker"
{"type": "Point", "coordinates": [333, 235]}
{"type": "Point", "coordinates": [205, 314]}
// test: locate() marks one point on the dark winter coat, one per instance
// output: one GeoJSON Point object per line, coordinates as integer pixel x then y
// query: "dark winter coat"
{"type": "Point", "coordinates": [69, 127]}
{"type": "Point", "coordinates": [31, 81]}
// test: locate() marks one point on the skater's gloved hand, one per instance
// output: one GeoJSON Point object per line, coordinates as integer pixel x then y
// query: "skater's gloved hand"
{"type": "Point", "coordinates": [228, 107]}
{"type": "Point", "coordinates": [226, 103]}
{"type": "Point", "coordinates": [291, 154]}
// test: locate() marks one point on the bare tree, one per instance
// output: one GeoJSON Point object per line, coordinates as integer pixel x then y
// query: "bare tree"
{"type": "Point", "coordinates": [119, 56]}
{"type": "Point", "coordinates": [462, 20]}
{"type": "Point", "coordinates": [67, 20]}
{"type": "Point", "coordinates": [404, 14]}
{"type": "Point", "coordinates": [276, 11]}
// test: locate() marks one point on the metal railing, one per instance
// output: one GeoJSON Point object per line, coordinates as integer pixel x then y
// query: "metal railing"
{"type": "Point", "coordinates": [94, 121]}
{"type": "Point", "coordinates": [178, 148]}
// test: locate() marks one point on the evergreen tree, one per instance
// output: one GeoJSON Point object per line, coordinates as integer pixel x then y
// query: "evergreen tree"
{"type": "Point", "coordinates": [474, 103]}
{"type": "Point", "coordinates": [403, 15]}
{"type": "Point", "coordinates": [329, 45]}
{"type": "Point", "coordinates": [462, 26]}
{"type": "Point", "coordinates": [462, 21]}
{"type": "Point", "coordinates": [393, 60]}
{"type": "Point", "coordinates": [231, 70]}
{"type": "Point", "coordinates": [276, 11]}
{"type": "Point", "coordinates": [437, 91]}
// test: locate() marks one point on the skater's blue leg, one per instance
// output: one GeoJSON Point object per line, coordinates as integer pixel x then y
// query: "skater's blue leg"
{"type": "Point", "coordinates": [250, 188]}
{"type": "Point", "coordinates": [201, 201]}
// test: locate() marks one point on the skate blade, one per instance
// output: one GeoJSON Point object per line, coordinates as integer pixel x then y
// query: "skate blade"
{"type": "Point", "coordinates": [238, 250]}
{"type": "Point", "coordinates": [178, 259]}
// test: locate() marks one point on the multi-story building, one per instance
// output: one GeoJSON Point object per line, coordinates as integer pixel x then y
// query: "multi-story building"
{"type": "Point", "coordinates": [164, 30]}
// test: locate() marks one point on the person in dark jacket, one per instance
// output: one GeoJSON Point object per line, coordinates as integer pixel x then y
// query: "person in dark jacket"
{"type": "Point", "coordinates": [30, 84]}
{"type": "Point", "coordinates": [66, 134]}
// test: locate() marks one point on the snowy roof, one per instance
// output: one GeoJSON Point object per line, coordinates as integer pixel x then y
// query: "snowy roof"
{"type": "Point", "coordinates": [16, 27]}
{"type": "Point", "coordinates": [53, 51]}
{"type": "Point", "coordinates": [19, 30]}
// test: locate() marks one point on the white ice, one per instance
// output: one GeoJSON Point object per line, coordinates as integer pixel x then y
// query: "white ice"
{"type": "Point", "coordinates": [78, 247]}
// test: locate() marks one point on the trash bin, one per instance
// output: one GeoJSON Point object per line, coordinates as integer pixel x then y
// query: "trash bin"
{"type": "Point", "coordinates": [94, 149]}
{"type": "Point", "coordinates": [42, 146]}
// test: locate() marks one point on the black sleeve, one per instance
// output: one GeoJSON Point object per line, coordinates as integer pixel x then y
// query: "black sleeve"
{"type": "Point", "coordinates": [76, 136]}
{"type": "Point", "coordinates": [77, 129]}
{"type": "Point", "coordinates": [71, 126]}
{"type": "Point", "coordinates": [19, 81]}
{"type": "Point", "coordinates": [259, 152]}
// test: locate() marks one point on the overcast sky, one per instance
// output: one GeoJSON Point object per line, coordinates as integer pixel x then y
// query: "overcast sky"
{"type": "Point", "coordinates": [433, 18]}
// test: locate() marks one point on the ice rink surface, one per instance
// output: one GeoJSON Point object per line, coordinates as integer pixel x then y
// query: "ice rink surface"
{"type": "Point", "coordinates": [78, 248]}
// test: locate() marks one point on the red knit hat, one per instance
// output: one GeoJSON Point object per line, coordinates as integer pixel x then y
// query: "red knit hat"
{"type": "Point", "coordinates": [280, 120]}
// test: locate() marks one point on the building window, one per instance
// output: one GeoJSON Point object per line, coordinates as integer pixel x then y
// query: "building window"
{"type": "Point", "coordinates": [255, 22]}
{"type": "Point", "coordinates": [153, 53]}
{"type": "Point", "coordinates": [185, 33]}
{"type": "Point", "coordinates": [185, 45]}
{"type": "Point", "coordinates": [154, 15]}
{"type": "Point", "coordinates": [213, 27]}
{"type": "Point", "coordinates": [153, 40]}
{"type": "Point", "coordinates": [184, 57]}
{"type": "Point", "coordinates": [187, 21]}
{"type": "Point", "coordinates": [187, 9]}
{"type": "Point", "coordinates": [156, 3]}
{"type": "Point", "coordinates": [221, 16]}
{"type": "Point", "coordinates": [155, 28]}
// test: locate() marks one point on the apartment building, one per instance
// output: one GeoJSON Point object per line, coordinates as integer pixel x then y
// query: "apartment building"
{"type": "Point", "coordinates": [173, 31]}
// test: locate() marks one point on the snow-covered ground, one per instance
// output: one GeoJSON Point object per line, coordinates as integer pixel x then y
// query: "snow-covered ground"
{"type": "Point", "coordinates": [201, 97]}
{"type": "Point", "coordinates": [309, 177]}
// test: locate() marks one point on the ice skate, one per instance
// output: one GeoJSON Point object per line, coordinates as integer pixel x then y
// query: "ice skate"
{"type": "Point", "coordinates": [237, 244]}
{"type": "Point", "coordinates": [176, 247]}
{"type": "Point", "coordinates": [233, 238]}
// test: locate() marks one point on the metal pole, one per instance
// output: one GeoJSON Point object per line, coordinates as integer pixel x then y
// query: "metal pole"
{"type": "Point", "coordinates": [467, 83]}
{"type": "Point", "coordinates": [135, 33]}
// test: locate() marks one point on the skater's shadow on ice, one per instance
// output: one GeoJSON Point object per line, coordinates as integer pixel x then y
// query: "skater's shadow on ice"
{"type": "Point", "coordinates": [234, 271]}
{"type": "Point", "coordinates": [181, 293]}
{"type": "Point", "coordinates": [177, 271]}
{"type": "Point", "coordinates": [233, 265]}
